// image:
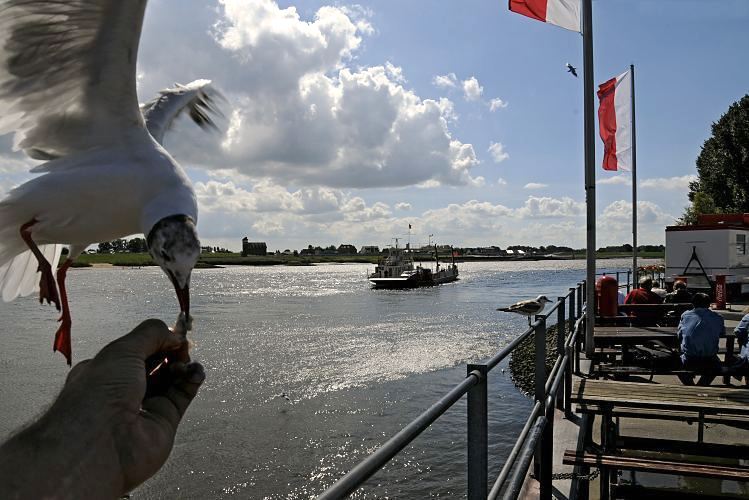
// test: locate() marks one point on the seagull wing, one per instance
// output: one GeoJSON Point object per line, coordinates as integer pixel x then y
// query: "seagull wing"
{"type": "Point", "coordinates": [67, 73]}
{"type": "Point", "coordinates": [197, 98]}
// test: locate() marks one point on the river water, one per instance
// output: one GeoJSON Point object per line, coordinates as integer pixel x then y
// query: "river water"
{"type": "Point", "coordinates": [358, 364]}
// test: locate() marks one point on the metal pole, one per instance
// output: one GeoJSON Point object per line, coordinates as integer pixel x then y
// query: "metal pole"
{"type": "Point", "coordinates": [572, 315]}
{"type": "Point", "coordinates": [634, 176]}
{"type": "Point", "coordinates": [545, 489]}
{"type": "Point", "coordinates": [540, 376]}
{"type": "Point", "coordinates": [478, 475]}
{"type": "Point", "coordinates": [568, 383]}
{"type": "Point", "coordinates": [561, 336]}
{"type": "Point", "coordinates": [590, 172]}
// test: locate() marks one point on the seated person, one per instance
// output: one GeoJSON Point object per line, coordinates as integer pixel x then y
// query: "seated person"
{"type": "Point", "coordinates": [680, 295]}
{"type": "Point", "coordinates": [699, 331]}
{"type": "Point", "coordinates": [644, 295]}
{"type": "Point", "coordinates": [741, 364]}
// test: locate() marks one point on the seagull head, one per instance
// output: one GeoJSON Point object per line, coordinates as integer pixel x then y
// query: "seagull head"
{"type": "Point", "coordinates": [173, 244]}
{"type": "Point", "coordinates": [542, 299]}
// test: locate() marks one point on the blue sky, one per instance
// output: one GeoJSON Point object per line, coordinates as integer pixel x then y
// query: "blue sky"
{"type": "Point", "coordinates": [336, 131]}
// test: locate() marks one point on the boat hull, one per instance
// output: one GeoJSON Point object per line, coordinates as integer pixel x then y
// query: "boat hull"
{"type": "Point", "coordinates": [415, 280]}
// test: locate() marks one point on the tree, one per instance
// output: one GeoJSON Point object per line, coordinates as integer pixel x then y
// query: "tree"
{"type": "Point", "coordinates": [104, 247]}
{"type": "Point", "coordinates": [137, 245]}
{"type": "Point", "coordinates": [723, 166]}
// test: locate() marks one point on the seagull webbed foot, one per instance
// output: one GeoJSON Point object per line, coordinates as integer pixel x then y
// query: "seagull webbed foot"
{"type": "Point", "coordinates": [62, 338]}
{"type": "Point", "coordinates": [48, 286]}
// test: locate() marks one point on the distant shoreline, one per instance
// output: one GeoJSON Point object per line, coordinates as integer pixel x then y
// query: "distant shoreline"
{"type": "Point", "coordinates": [208, 261]}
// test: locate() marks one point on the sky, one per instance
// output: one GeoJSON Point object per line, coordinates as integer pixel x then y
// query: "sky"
{"type": "Point", "coordinates": [346, 122]}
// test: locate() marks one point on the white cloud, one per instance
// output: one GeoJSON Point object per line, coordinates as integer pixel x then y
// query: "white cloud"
{"type": "Point", "coordinates": [445, 81]}
{"type": "Point", "coordinates": [501, 182]}
{"type": "Point", "coordinates": [545, 206]}
{"type": "Point", "coordinates": [496, 104]}
{"type": "Point", "coordinates": [403, 206]}
{"type": "Point", "coordinates": [498, 152]}
{"type": "Point", "coordinates": [472, 91]}
{"type": "Point", "coordinates": [617, 180]}
{"type": "Point", "coordinates": [300, 111]}
{"type": "Point", "coordinates": [680, 183]}
{"type": "Point", "coordinates": [535, 185]}
{"type": "Point", "coordinates": [617, 221]}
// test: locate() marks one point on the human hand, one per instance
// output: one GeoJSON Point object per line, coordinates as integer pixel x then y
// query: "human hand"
{"type": "Point", "coordinates": [104, 436]}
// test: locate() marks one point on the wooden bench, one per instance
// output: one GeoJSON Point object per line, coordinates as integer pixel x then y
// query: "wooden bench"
{"type": "Point", "coordinates": [642, 462]}
{"type": "Point", "coordinates": [646, 315]}
{"type": "Point", "coordinates": [741, 421]}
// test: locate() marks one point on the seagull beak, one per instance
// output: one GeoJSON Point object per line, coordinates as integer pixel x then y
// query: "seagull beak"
{"type": "Point", "coordinates": [183, 295]}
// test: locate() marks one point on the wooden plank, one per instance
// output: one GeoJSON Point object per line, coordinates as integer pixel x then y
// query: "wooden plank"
{"type": "Point", "coordinates": [720, 451]}
{"type": "Point", "coordinates": [661, 414]}
{"type": "Point", "coordinates": [661, 466]}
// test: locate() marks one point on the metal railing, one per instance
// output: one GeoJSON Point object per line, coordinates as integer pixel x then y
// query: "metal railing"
{"type": "Point", "coordinates": [535, 442]}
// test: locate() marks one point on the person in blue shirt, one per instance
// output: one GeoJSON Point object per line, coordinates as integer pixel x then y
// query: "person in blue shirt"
{"type": "Point", "coordinates": [699, 331]}
{"type": "Point", "coordinates": [741, 366]}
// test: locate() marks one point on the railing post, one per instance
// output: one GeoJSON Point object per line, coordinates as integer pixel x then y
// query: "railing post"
{"type": "Point", "coordinates": [568, 383]}
{"type": "Point", "coordinates": [478, 476]}
{"type": "Point", "coordinates": [629, 277]}
{"type": "Point", "coordinates": [547, 461]}
{"type": "Point", "coordinates": [540, 378]}
{"type": "Point", "coordinates": [571, 314]}
{"type": "Point", "coordinates": [561, 336]}
{"type": "Point", "coordinates": [579, 300]}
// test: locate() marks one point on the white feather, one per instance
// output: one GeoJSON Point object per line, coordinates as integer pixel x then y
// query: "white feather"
{"type": "Point", "coordinates": [19, 276]}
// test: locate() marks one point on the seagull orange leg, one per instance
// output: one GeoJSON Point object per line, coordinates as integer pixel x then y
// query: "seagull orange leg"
{"type": "Point", "coordinates": [62, 337]}
{"type": "Point", "coordinates": [47, 286]}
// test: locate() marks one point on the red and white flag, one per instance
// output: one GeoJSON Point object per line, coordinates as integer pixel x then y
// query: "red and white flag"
{"type": "Point", "coordinates": [562, 13]}
{"type": "Point", "coordinates": [615, 122]}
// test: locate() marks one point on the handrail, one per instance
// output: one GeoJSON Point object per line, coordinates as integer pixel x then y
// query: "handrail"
{"type": "Point", "coordinates": [538, 426]}
{"type": "Point", "coordinates": [351, 481]}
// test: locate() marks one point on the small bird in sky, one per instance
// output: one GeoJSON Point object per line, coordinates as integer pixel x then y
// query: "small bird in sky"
{"type": "Point", "coordinates": [571, 69]}
{"type": "Point", "coordinates": [68, 92]}
{"type": "Point", "coordinates": [528, 307]}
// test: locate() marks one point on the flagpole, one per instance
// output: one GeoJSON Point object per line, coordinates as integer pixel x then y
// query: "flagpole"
{"type": "Point", "coordinates": [590, 173]}
{"type": "Point", "coordinates": [634, 179]}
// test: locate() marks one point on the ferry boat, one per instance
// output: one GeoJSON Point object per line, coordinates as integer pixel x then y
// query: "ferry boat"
{"type": "Point", "coordinates": [397, 270]}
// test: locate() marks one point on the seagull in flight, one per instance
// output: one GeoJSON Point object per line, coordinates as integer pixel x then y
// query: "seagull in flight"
{"type": "Point", "coordinates": [529, 307]}
{"type": "Point", "coordinates": [68, 93]}
{"type": "Point", "coordinates": [571, 69]}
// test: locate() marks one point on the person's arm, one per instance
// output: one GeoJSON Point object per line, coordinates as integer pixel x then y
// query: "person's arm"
{"type": "Point", "coordinates": [742, 330]}
{"type": "Point", "coordinates": [101, 438]}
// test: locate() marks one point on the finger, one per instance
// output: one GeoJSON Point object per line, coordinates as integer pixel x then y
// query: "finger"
{"type": "Point", "coordinates": [177, 398]}
{"type": "Point", "coordinates": [76, 371]}
{"type": "Point", "coordinates": [146, 339]}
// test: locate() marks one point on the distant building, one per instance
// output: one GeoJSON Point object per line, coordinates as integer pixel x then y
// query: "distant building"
{"type": "Point", "coordinates": [206, 249]}
{"type": "Point", "coordinates": [369, 250]}
{"type": "Point", "coordinates": [253, 247]}
{"type": "Point", "coordinates": [346, 249]}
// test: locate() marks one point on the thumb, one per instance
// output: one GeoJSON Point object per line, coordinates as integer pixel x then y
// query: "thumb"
{"type": "Point", "coordinates": [148, 338]}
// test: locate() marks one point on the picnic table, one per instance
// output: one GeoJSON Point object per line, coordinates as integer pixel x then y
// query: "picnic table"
{"type": "Point", "coordinates": [615, 399]}
{"type": "Point", "coordinates": [625, 337]}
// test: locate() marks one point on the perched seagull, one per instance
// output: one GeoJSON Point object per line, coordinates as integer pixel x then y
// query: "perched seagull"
{"type": "Point", "coordinates": [528, 307]}
{"type": "Point", "coordinates": [67, 91]}
{"type": "Point", "coordinates": [571, 69]}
